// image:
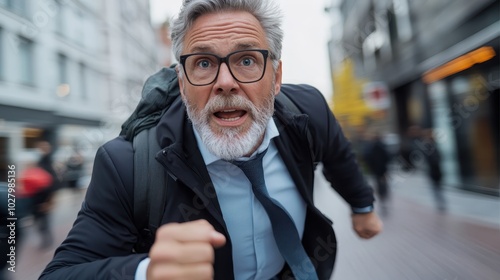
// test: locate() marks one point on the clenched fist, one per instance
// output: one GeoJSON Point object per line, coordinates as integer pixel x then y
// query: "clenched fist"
{"type": "Point", "coordinates": [366, 225]}
{"type": "Point", "coordinates": [184, 251]}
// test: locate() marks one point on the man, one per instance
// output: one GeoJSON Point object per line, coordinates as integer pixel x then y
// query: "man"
{"type": "Point", "coordinates": [43, 199]}
{"type": "Point", "coordinates": [377, 160]}
{"type": "Point", "coordinates": [229, 74]}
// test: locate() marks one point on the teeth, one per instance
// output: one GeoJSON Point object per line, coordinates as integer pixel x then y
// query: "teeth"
{"type": "Point", "coordinates": [231, 119]}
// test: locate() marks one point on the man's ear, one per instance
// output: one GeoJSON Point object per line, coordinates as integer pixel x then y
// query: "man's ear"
{"type": "Point", "coordinates": [278, 79]}
{"type": "Point", "coordinates": [180, 78]}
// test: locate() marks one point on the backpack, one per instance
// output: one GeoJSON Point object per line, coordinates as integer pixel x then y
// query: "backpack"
{"type": "Point", "coordinates": [150, 178]}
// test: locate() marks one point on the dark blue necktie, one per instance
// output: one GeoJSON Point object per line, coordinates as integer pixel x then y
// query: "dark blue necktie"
{"type": "Point", "coordinates": [284, 230]}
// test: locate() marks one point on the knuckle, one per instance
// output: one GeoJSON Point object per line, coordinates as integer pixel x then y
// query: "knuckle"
{"type": "Point", "coordinates": [207, 270]}
{"type": "Point", "coordinates": [160, 273]}
{"type": "Point", "coordinates": [208, 252]}
{"type": "Point", "coordinates": [163, 252]}
{"type": "Point", "coordinates": [166, 230]}
{"type": "Point", "coordinates": [170, 255]}
{"type": "Point", "coordinates": [154, 252]}
{"type": "Point", "coordinates": [205, 225]}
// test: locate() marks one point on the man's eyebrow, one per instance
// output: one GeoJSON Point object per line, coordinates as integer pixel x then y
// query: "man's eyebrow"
{"type": "Point", "coordinates": [202, 49]}
{"type": "Point", "coordinates": [208, 49]}
{"type": "Point", "coordinates": [244, 46]}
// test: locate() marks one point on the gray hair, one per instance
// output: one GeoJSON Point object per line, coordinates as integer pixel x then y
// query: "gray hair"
{"type": "Point", "coordinates": [266, 12]}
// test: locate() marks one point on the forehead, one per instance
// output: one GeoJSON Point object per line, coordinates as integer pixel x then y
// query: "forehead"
{"type": "Point", "coordinates": [223, 32]}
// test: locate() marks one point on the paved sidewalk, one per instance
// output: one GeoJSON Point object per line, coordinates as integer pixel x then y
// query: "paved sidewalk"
{"type": "Point", "coordinates": [478, 208]}
{"type": "Point", "coordinates": [418, 241]}
{"type": "Point", "coordinates": [32, 260]}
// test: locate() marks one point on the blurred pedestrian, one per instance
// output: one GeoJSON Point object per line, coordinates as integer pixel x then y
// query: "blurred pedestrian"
{"type": "Point", "coordinates": [73, 170]}
{"type": "Point", "coordinates": [43, 202]}
{"type": "Point", "coordinates": [36, 185]}
{"type": "Point", "coordinates": [238, 203]}
{"type": "Point", "coordinates": [34, 180]}
{"type": "Point", "coordinates": [433, 159]}
{"type": "Point", "coordinates": [47, 163]}
{"type": "Point", "coordinates": [408, 146]}
{"type": "Point", "coordinates": [376, 158]}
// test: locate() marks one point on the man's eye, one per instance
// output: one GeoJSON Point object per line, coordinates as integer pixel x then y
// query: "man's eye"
{"type": "Point", "coordinates": [204, 63]}
{"type": "Point", "coordinates": [247, 61]}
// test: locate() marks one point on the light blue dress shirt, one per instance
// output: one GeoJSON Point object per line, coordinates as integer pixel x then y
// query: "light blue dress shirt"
{"type": "Point", "coordinates": [255, 253]}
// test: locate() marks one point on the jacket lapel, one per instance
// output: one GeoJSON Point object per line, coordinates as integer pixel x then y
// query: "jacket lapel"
{"type": "Point", "coordinates": [187, 166]}
{"type": "Point", "coordinates": [293, 137]}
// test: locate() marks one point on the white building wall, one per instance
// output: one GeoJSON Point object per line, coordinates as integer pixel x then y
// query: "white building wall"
{"type": "Point", "coordinates": [115, 48]}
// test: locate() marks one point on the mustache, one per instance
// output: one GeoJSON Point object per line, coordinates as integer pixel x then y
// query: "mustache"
{"type": "Point", "coordinates": [220, 102]}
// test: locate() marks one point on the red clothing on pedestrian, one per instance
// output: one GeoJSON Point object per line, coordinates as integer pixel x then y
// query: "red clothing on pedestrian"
{"type": "Point", "coordinates": [34, 180]}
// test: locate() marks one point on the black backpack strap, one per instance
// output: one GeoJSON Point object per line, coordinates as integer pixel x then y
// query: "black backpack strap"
{"type": "Point", "coordinates": [150, 183]}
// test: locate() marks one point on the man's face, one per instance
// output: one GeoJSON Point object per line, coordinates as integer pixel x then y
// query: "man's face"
{"type": "Point", "coordinates": [229, 116]}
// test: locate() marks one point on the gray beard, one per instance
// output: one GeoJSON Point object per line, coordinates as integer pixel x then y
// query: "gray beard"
{"type": "Point", "coordinates": [231, 143]}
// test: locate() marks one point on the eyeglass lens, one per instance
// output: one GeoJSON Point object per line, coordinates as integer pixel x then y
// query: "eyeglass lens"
{"type": "Point", "coordinates": [245, 66]}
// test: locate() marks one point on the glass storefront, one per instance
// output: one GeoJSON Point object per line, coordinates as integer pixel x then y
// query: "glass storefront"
{"type": "Point", "coordinates": [444, 133]}
{"type": "Point", "coordinates": [465, 114]}
{"type": "Point", "coordinates": [475, 100]}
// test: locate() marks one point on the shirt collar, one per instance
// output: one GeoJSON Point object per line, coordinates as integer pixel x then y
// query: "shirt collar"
{"type": "Point", "coordinates": [270, 133]}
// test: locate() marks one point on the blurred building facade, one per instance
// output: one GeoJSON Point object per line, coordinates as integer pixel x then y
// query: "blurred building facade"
{"type": "Point", "coordinates": [437, 64]}
{"type": "Point", "coordinates": [71, 71]}
{"type": "Point", "coordinates": [164, 44]}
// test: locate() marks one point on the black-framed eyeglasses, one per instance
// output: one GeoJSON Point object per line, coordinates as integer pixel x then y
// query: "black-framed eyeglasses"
{"type": "Point", "coordinates": [246, 66]}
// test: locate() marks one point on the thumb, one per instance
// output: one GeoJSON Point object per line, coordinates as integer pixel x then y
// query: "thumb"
{"type": "Point", "coordinates": [217, 239]}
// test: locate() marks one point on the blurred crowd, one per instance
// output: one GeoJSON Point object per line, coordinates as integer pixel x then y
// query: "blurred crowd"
{"type": "Point", "coordinates": [37, 183]}
{"type": "Point", "coordinates": [416, 151]}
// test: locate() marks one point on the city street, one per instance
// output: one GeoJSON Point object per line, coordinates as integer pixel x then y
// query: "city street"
{"type": "Point", "coordinates": [418, 242]}
{"type": "Point", "coordinates": [31, 259]}
{"type": "Point", "coordinates": [414, 86]}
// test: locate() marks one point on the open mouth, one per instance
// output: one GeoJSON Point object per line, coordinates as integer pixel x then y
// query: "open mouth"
{"type": "Point", "coordinates": [230, 115]}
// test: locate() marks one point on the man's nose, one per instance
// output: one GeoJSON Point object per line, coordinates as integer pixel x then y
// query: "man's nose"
{"type": "Point", "coordinates": [225, 81]}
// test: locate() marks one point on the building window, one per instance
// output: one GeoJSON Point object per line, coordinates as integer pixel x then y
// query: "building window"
{"type": "Point", "coordinates": [26, 61]}
{"type": "Point", "coordinates": [2, 58]}
{"type": "Point", "coordinates": [83, 80]}
{"type": "Point", "coordinates": [60, 19]}
{"type": "Point", "coordinates": [80, 27]}
{"type": "Point", "coordinates": [63, 88]}
{"type": "Point", "coordinates": [401, 11]}
{"type": "Point", "coordinates": [62, 64]}
{"type": "Point", "coordinates": [393, 26]}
